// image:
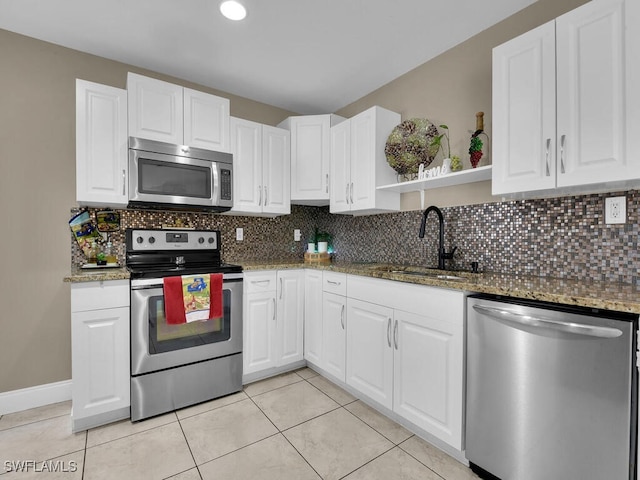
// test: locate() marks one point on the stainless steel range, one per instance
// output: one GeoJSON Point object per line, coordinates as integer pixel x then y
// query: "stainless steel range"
{"type": "Point", "coordinates": [176, 365]}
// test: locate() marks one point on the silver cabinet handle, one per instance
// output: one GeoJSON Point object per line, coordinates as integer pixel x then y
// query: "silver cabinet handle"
{"type": "Point", "coordinates": [265, 195]}
{"type": "Point", "coordinates": [342, 317]}
{"type": "Point", "coordinates": [352, 192]}
{"type": "Point", "coordinates": [124, 180]}
{"type": "Point", "coordinates": [280, 288]}
{"type": "Point", "coordinates": [562, 140]}
{"type": "Point", "coordinates": [347, 194]}
{"type": "Point", "coordinates": [260, 281]}
{"type": "Point", "coordinates": [333, 283]}
{"type": "Point", "coordinates": [395, 334]}
{"type": "Point", "coordinates": [541, 322]}
{"type": "Point", "coordinates": [327, 183]}
{"type": "Point", "coordinates": [547, 155]}
{"type": "Point", "coordinates": [389, 332]}
{"type": "Point", "coordinates": [260, 193]}
{"type": "Point", "coordinates": [274, 309]}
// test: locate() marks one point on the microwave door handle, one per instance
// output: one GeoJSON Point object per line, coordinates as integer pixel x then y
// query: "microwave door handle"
{"type": "Point", "coordinates": [215, 181]}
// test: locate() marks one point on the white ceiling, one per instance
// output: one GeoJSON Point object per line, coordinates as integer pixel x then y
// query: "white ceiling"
{"type": "Point", "coordinates": [301, 55]}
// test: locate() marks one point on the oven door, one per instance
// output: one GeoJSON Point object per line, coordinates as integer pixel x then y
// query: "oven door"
{"type": "Point", "coordinates": [156, 345]}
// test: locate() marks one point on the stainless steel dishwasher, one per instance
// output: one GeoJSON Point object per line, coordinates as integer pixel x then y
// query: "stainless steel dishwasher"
{"type": "Point", "coordinates": [551, 391]}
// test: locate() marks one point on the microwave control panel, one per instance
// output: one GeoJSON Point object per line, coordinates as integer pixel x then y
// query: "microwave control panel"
{"type": "Point", "coordinates": [225, 184]}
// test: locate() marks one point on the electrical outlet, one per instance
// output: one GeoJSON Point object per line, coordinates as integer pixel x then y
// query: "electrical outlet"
{"type": "Point", "coordinates": [296, 235]}
{"type": "Point", "coordinates": [615, 210]}
{"type": "Point", "coordinates": [239, 234]}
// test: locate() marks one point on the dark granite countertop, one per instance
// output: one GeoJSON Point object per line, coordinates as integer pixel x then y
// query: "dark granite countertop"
{"type": "Point", "coordinates": [592, 294]}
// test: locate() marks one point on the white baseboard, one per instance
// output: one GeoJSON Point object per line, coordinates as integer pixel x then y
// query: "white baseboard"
{"type": "Point", "coordinates": [32, 397]}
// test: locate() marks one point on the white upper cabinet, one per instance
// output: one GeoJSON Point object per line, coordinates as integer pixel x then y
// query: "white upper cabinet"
{"type": "Point", "coordinates": [310, 157]}
{"type": "Point", "coordinates": [565, 103]}
{"type": "Point", "coordinates": [169, 113]}
{"type": "Point", "coordinates": [206, 121]}
{"type": "Point", "coordinates": [359, 165]}
{"type": "Point", "coordinates": [524, 112]}
{"type": "Point", "coordinates": [261, 161]}
{"type": "Point", "coordinates": [591, 96]}
{"type": "Point", "coordinates": [101, 145]}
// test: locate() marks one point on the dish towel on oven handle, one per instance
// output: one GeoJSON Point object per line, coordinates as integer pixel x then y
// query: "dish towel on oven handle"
{"type": "Point", "coordinates": [191, 298]}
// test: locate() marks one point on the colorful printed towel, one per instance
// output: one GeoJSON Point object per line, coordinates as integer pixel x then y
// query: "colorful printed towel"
{"type": "Point", "coordinates": [192, 298]}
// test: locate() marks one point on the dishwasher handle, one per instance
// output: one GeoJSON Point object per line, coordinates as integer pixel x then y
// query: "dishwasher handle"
{"type": "Point", "coordinates": [531, 321]}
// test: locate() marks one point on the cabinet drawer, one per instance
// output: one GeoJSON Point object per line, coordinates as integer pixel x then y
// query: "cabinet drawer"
{"type": "Point", "coordinates": [334, 282]}
{"type": "Point", "coordinates": [99, 295]}
{"type": "Point", "coordinates": [263, 281]}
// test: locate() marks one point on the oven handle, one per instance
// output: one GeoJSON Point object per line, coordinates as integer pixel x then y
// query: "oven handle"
{"type": "Point", "coordinates": [144, 283]}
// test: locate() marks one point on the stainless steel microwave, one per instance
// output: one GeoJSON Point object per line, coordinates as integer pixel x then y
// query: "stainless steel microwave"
{"type": "Point", "coordinates": [167, 176]}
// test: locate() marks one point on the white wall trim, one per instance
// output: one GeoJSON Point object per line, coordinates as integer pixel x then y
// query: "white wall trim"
{"type": "Point", "coordinates": [32, 397]}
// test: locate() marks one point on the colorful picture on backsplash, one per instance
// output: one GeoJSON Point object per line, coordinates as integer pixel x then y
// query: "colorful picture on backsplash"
{"type": "Point", "coordinates": [84, 231]}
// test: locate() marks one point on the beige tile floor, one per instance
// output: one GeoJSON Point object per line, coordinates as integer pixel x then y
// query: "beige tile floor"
{"type": "Point", "coordinates": [294, 426]}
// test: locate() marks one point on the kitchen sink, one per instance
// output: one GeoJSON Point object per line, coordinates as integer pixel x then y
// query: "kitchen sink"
{"type": "Point", "coordinates": [420, 272]}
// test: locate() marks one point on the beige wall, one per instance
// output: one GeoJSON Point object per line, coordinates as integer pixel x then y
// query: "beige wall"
{"type": "Point", "coordinates": [451, 88]}
{"type": "Point", "coordinates": [37, 191]}
{"type": "Point", "coordinates": [37, 168]}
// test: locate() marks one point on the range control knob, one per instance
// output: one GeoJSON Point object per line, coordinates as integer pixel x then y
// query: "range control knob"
{"type": "Point", "coordinates": [152, 240]}
{"type": "Point", "coordinates": [139, 239]}
{"type": "Point", "coordinates": [201, 240]}
{"type": "Point", "coordinates": [211, 239]}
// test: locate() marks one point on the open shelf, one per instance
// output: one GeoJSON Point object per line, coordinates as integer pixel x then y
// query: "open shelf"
{"type": "Point", "coordinates": [455, 178]}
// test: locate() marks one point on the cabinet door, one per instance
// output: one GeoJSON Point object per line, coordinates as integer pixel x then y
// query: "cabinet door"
{"type": "Point", "coordinates": [592, 104]}
{"type": "Point", "coordinates": [276, 170]}
{"type": "Point", "coordinates": [100, 361]}
{"type": "Point", "coordinates": [340, 185]}
{"type": "Point", "coordinates": [290, 328]}
{"type": "Point", "coordinates": [334, 324]}
{"type": "Point", "coordinates": [246, 146]}
{"type": "Point", "coordinates": [428, 373]}
{"type": "Point", "coordinates": [363, 155]}
{"type": "Point", "coordinates": [524, 113]}
{"type": "Point", "coordinates": [258, 331]}
{"type": "Point", "coordinates": [310, 153]}
{"type": "Point", "coordinates": [206, 121]}
{"type": "Point", "coordinates": [313, 316]}
{"type": "Point", "coordinates": [369, 350]}
{"type": "Point", "coordinates": [101, 145]}
{"type": "Point", "coordinates": [155, 109]}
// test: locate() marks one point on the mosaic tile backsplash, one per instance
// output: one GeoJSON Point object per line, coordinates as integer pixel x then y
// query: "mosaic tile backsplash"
{"type": "Point", "coordinates": [562, 237]}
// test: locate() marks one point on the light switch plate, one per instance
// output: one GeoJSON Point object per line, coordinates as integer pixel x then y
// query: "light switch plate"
{"type": "Point", "coordinates": [296, 235]}
{"type": "Point", "coordinates": [615, 210]}
{"type": "Point", "coordinates": [239, 234]}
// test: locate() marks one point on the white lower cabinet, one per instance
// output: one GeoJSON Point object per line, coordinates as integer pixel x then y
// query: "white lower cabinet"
{"type": "Point", "coordinates": [313, 316]}
{"type": "Point", "coordinates": [273, 319]}
{"type": "Point", "coordinates": [100, 353]}
{"type": "Point", "coordinates": [428, 372]}
{"type": "Point", "coordinates": [334, 318]}
{"type": "Point", "coordinates": [369, 350]}
{"type": "Point", "coordinates": [405, 351]}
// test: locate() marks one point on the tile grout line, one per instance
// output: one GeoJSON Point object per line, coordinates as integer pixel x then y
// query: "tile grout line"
{"type": "Point", "coordinates": [368, 462]}
{"type": "Point", "coordinates": [184, 435]}
{"type": "Point", "coordinates": [84, 454]}
{"type": "Point", "coordinates": [417, 459]}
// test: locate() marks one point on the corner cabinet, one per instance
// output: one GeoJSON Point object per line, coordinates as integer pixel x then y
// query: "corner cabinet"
{"type": "Point", "coordinates": [310, 157]}
{"type": "Point", "coordinates": [273, 321]}
{"type": "Point", "coordinates": [261, 164]}
{"type": "Point", "coordinates": [170, 113]}
{"type": "Point", "coordinates": [101, 145]}
{"type": "Point", "coordinates": [100, 353]}
{"type": "Point", "coordinates": [359, 165]}
{"type": "Point", "coordinates": [566, 109]}
{"type": "Point", "coordinates": [405, 351]}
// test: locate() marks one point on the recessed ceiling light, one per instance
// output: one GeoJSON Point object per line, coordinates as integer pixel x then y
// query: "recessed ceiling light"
{"type": "Point", "coordinates": [233, 10]}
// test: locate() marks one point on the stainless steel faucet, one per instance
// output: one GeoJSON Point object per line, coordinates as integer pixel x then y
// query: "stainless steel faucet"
{"type": "Point", "coordinates": [442, 255]}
